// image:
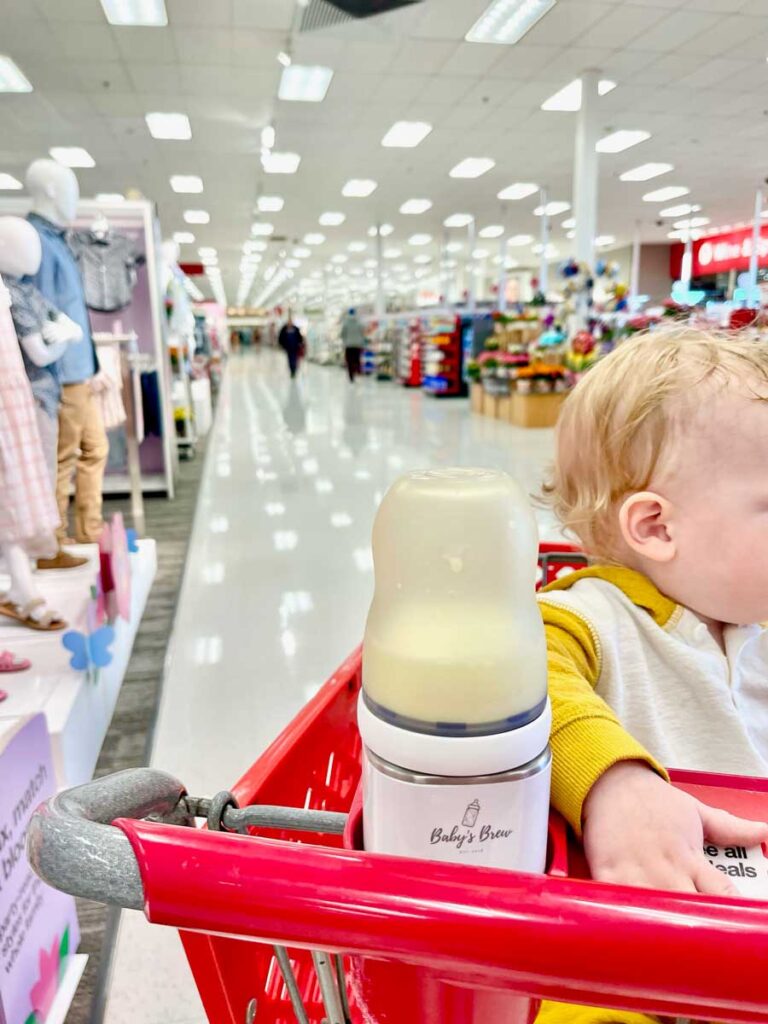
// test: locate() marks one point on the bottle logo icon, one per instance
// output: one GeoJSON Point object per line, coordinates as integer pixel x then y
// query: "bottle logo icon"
{"type": "Point", "coordinates": [470, 815]}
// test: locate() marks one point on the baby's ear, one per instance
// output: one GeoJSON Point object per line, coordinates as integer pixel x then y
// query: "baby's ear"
{"type": "Point", "coordinates": [644, 520]}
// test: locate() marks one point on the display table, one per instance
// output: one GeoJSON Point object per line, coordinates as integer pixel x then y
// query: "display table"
{"type": "Point", "coordinates": [520, 410]}
{"type": "Point", "coordinates": [78, 710]}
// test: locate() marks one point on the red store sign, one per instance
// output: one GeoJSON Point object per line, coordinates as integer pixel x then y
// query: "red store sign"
{"type": "Point", "coordinates": [718, 254]}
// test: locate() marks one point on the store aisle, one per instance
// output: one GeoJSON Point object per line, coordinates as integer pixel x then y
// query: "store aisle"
{"type": "Point", "coordinates": [277, 585]}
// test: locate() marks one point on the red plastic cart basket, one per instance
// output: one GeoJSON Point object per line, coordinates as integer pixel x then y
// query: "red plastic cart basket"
{"type": "Point", "coordinates": [278, 930]}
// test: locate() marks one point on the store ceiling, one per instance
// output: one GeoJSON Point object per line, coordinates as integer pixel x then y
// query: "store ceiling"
{"type": "Point", "coordinates": [693, 73]}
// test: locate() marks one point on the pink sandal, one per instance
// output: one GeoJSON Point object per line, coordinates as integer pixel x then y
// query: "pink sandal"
{"type": "Point", "coordinates": [9, 663]}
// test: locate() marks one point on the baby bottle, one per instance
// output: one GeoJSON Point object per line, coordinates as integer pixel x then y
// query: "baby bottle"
{"type": "Point", "coordinates": [453, 712]}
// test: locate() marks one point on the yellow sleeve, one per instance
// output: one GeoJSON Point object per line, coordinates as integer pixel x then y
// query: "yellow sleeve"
{"type": "Point", "coordinates": [587, 737]}
{"type": "Point", "coordinates": [564, 1013]}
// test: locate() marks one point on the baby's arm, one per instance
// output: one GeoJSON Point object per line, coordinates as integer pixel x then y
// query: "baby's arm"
{"type": "Point", "coordinates": [637, 829]}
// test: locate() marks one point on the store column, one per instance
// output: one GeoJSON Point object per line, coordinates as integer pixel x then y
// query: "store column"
{"type": "Point", "coordinates": [381, 305]}
{"type": "Point", "coordinates": [753, 291]}
{"type": "Point", "coordinates": [585, 172]}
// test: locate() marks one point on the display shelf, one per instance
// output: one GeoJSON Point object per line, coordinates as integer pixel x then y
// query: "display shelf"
{"type": "Point", "coordinates": [78, 710]}
{"type": "Point", "coordinates": [442, 360]}
{"type": "Point", "coordinates": [409, 369]}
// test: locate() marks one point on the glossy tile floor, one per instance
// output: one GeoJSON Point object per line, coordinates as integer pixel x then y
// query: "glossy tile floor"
{"type": "Point", "coordinates": [277, 585]}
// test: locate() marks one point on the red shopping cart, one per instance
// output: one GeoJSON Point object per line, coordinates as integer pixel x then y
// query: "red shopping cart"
{"type": "Point", "coordinates": [294, 922]}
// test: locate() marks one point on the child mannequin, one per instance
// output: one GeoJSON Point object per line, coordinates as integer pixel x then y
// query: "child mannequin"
{"type": "Point", "coordinates": [28, 515]}
{"type": "Point", "coordinates": [44, 334]}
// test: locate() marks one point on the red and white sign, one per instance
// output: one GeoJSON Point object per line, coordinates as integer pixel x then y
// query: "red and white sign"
{"type": "Point", "coordinates": [718, 254]}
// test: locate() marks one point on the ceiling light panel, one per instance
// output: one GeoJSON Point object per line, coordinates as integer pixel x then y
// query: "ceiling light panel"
{"type": "Point", "coordinates": [302, 83]}
{"type": "Point", "coordinates": [151, 13]}
{"type": "Point", "coordinates": [9, 183]}
{"type": "Point", "coordinates": [645, 172]}
{"type": "Point", "coordinates": [623, 139]}
{"type": "Point", "coordinates": [568, 99]}
{"type": "Point", "coordinates": [552, 209]}
{"type": "Point", "coordinates": [183, 237]}
{"type": "Point", "coordinates": [332, 220]}
{"type": "Point", "coordinates": [691, 222]}
{"type": "Point", "coordinates": [413, 207]}
{"type": "Point", "coordinates": [420, 239]}
{"type": "Point", "coordinates": [605, 240]}
{"type": "Point", "coordinates": [359, 188]}
{"type": "Point", "coordinates": [518, 240]}
{"type": "Point", "coordinates": [12, 79]}
{"type": "Point", "coordinates": [186, 183]}
{"type": "Point", "coordinates": [458, 220]}
{"type": "Point", "coordinates": [507, 21]}
{"type": "Point", "coordinates": [169, 126]}
{"type": "Point", "coordinates": [357, 247]}
{"type": "Point", "coordinates": [663, 195]}
{"type": "Point", "coordinates": [406, 134]}
{"type": "Point", "coordinates": [72, 156]}
{"type": "Point", "coordinates": [681, 210]}
{"type": "Point", "coordinates": [314, 239]}
{"type": "Point", "coordinates": [197, 216]}
{"type": "Point", "coordinates": [270, 204]}
{"type": "Point", "coordinates": [491, 231]}
{"type": "Point", "coordinates": [280, 163]}
{"type": "Point", "coordinates": [520, 190]}
{"type": "Point", "coordinates": [472, 167]}
{"type": "Point", "coordinates": [260, 229]}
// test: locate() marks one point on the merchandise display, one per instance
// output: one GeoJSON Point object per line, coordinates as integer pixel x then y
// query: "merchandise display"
{"type": "Point", "coordinates": [107, 264]}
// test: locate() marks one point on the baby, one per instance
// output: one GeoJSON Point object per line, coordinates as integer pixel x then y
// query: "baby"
{"type": "Point", "coordinates": [656, 658]}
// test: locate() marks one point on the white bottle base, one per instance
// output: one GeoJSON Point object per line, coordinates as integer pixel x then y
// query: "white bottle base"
{"type": "Point", "coordinates": [492, 821]}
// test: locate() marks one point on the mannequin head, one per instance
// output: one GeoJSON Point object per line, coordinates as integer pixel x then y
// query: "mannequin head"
{"type": "Point", "coordinates": [20, 248]}
{"type": "Point", "coordinates": [54, 191]}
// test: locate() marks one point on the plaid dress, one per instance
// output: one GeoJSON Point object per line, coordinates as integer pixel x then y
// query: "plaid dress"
{"type": "Point", "coordinates": [28, 514]}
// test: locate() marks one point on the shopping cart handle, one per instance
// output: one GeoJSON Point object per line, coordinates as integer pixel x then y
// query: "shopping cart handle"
{"type": "Point", "coordinates": [72, 845]}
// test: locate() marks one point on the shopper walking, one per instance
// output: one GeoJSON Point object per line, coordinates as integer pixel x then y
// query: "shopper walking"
{"type": "Point", "coordinates": [353, 339]}
{"type": "Point", "coordinates": [291, 340]}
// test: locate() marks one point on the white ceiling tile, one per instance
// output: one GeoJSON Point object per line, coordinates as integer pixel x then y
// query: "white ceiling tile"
{"type": "Point", "coordinates": [97, 76]}
{"type": "Point", "coordinates": [257, 49]}
{"type": "Point", "coordinates": [203, 13]}
{"type": "Point", "coordinates": [22, 39]}
{"type": "Point", "coordinates": [572, 60]}
{"type": "Point", "coordinates": [716, 72]}
{"type": "Point", "coordinates": [163, 79]}
{"type": "Point", "coordinates": [729, 32]}
{"type": "Point", "coordinates": [203, 45]}
{"type": "Point", "coordinates": [445, 89]}
{"type": "Point", "coordinates": [621, 24]}
{"type": "Point", "coordinates": [400, 89]}
{"type": "Point", "coordinates": [718, 6]}
{"type": "Point", "coordinates": [68, 11]}
{"type": "Point", "coordinates": [754, 7]}
{"type": "Point", "coordinates": [83, 42]}
{"type": "Point", "coordinates": [673, 31]}
{"type": "Point", "coordinates": [567, 22]}
{"type": "Point", "coordinates": [524, 61]}
{"type": "Point", "coordinates": [666, 69]}
{"type": "Point", "coordinates": [421, 55]}
{"type": "Point", "coordinates": [140, 45]}
{"type": "Point", "coordinates": [448, 19]}
{"type": "Point", "coordinates": [269, 14]}
{"type": "Point", "coordinates": [52, 75]}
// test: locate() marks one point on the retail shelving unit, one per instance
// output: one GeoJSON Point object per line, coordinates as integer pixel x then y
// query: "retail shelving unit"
{"type": "Point", "coordinates": [409, 371]}
{"type": "Point", "coordinates": [442, 356]}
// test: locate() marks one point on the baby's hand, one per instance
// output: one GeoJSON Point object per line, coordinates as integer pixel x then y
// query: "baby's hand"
{"type": "Point", "coordinates": [639, 830]}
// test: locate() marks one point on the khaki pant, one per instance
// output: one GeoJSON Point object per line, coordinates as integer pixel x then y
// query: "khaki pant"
{"type": "Point", "coordinates": [83, 447]}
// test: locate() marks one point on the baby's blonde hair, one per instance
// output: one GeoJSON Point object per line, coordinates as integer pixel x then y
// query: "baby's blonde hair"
{"type": "Point", "coordinates": [619, 422]}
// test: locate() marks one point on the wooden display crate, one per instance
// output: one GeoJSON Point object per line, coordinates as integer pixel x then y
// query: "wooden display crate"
{"type": "Point", "coordinates": [504, 408]}
{"type": "Point", "coordinates": [490, 404]}
{"type": "Point", "coordinates": [476, 396]}
{"type": "Point", "coordinates": [535, 410]}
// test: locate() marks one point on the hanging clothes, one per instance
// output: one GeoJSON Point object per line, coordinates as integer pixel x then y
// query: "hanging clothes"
{"type": "Point", "coordinates": [150, 404]}
{"type": "Point", "coordinates": [28, 514]}
{"type": "Point", "coordinates": [108, 263]}
{"type": "Point", "coordinates": [108, 387]}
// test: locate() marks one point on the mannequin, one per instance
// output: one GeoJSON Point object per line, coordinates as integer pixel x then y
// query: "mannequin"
{"type": "Point", "coordinates": [43, 334]}
{"type": "Point", "coordinates": [82, 445]}
{"type": "Point", "coordinates": [28, 516]}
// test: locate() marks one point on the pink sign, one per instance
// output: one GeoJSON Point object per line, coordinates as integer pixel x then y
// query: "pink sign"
{"type": "Point", "coordinates": [38, 926]}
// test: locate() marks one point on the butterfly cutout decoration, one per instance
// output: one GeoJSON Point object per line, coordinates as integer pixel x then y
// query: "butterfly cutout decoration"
{"type": "Point", "coordinates": [133, 540]}
{"type": "Point", "coordinates": [89, 650]}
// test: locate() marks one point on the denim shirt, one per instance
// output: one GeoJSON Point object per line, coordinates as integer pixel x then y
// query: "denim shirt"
{"type": "Point", "coordinates": [29, 311]}
{"type": "Point", "coordinates": [59, 281]}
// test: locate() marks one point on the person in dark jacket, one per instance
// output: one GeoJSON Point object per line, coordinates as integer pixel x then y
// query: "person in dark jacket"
{"type": "Point", "coordinates": [353, 340]}
{"type": "Point", "coordinates": [290, 339]}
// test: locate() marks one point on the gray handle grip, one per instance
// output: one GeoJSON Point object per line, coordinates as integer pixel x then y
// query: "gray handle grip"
{"type": "Point", "coordinates": [73, 846]}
